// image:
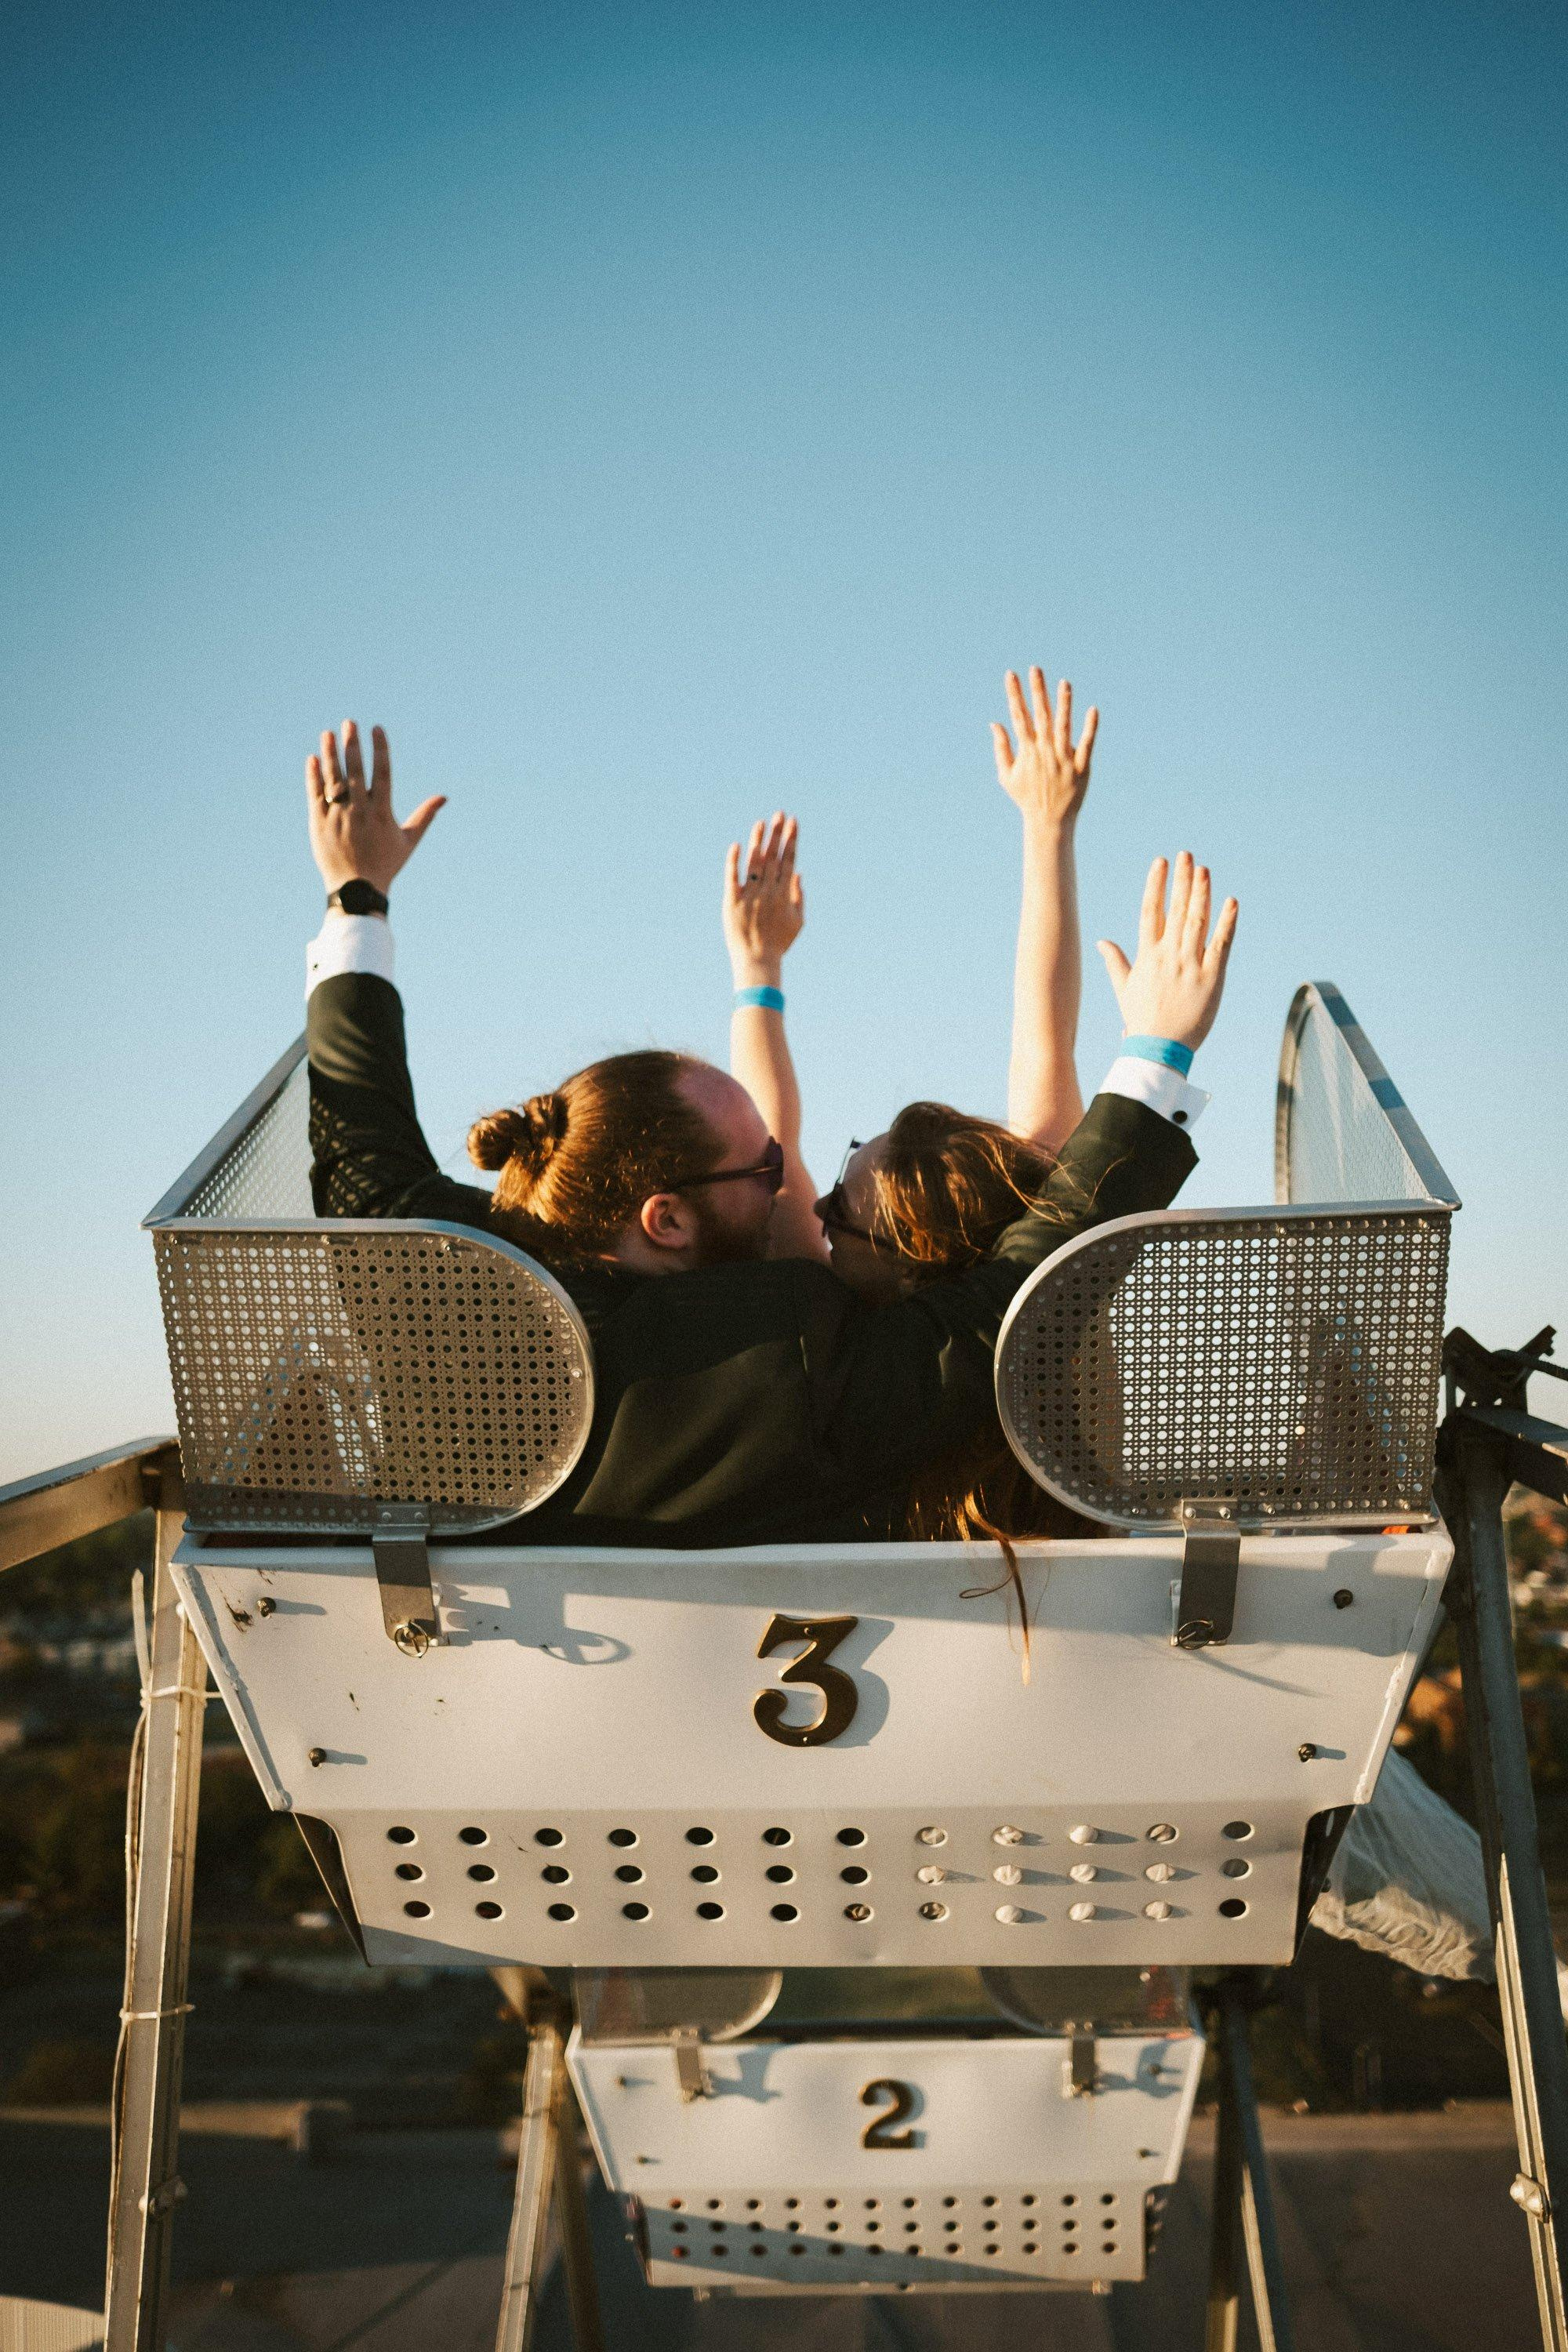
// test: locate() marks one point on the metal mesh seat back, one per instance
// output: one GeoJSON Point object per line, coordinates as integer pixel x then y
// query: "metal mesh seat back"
{"type": "Point", "coordinates": [1282, 1362]}
{"type": "Point", "coordinates": [258, 1164]}
{"type": "Point", "coordinates": [1343, 1132]}
{"type": "Point", "coordinates": [325, 1371]}
{"type": "Point", "coordinates": [938, 2161]}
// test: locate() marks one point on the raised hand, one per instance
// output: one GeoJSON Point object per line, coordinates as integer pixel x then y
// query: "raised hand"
{"type": "Point", "coordinates": [1174, 988]}
{"type": "Point", "coordinates": [765, 906]}
{"type": "Point", "coordinates": [1048, 775]}
{"type": "Point", "coordinates": [354, 832]}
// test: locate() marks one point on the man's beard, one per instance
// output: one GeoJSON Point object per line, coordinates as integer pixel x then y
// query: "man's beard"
{"type": "Point", "coordinates": [723, 1244]}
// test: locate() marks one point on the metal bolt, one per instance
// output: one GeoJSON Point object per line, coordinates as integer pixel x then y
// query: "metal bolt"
{"type": "Point", "coordinates": [1084, 1835]}
{"type": "Point", "coordinates": [931, 1873]}
{"type": "Point", "coordinates": [1163, 1833]}
{"type": "Point", "coordinates": [931, 1836]}
{"type": "Point", "coordinates": [411, 1638]}
{"type": "Point", "coordinates": [1307, 1750]}
{"type": "Point", "coordinates": [1528, 2195]}
{"type": "Point", "coordinates": [1007, 1835]}
{"type": "Point", "coordinates": [1007, 1874]}
{"type": "Point", "coordinates": [933, 1910]}
{"type": "Point", "coordinates": [316, 1756]}
{"type": "Point", "coordinates": [1083, 1872]}
{"type": "Point", "coordinates": [1156, 1910]}
{"type": "Point", "coordinates": [1160, 1871]}
{"type": "Point", "coordinates": [1080, 1911]}
{"type": "Point", "coordinates": [1343, 1597]}
{"type": "Point", "coordinates": [1009, 1913]}
{"type": "Point", "coordinates": [266, 1605]}
{"type": "Point", "coordinates": [858, 1912]}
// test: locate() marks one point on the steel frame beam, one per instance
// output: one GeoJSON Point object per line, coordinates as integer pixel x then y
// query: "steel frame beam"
{"type": "Point", "coordinates": [1242, 2221]}
{"type": "Point", "coordinates": [1482, 1451]}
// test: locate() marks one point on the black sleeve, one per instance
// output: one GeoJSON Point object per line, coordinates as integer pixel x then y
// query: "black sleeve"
{"type": "Point", "coordinates": [895, 1384]}
{"type": "Point", "coordinates": [368, 1153]}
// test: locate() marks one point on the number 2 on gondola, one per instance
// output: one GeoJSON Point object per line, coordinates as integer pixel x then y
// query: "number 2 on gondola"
{"type": "Point", "coordinates": [822, 1636]}
{"type": "Point", "coordinates": [879, 2133]}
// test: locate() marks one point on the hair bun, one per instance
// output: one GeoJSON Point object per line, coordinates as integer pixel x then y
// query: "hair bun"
{"type": "Point", "coordinates": [529, 1135]}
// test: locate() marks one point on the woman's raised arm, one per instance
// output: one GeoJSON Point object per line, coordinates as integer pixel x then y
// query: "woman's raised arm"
{"type": "Point", "coordinates": [764, 910]}
{"type": "Point", "coordinates": [1047, 777]}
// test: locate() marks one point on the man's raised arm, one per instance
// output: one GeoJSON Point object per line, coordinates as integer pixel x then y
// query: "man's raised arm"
{"type": "Point", "coordinates": [369, 1156]}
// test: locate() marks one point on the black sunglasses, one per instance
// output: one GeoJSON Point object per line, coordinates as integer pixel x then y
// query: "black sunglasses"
{"type": "Point", "coordinates": [832, 1217]}
{"type": "Point", "coordinates": [770, 1169]}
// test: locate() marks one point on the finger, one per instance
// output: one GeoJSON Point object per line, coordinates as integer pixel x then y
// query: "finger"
{"type": "Point", "coordinates": [1152, 914]}
{"type": "Point", "coordinates": [797, 896]}
{"type": "Point", "coordinates": [787, 841]}
{"type": "Point", "coordinates": [330, 767]}
{"type": "Point", "coordinates": [754, 853]}
{"type": "Point", "coordinates": [1022, 727]}
{"type": "Point", "coordinates": [1002, 744]}
{"type": "Point", "coordinates": [315, 784]}
{"type": "Point", "coordinates": [1085, 753]}
{"type": "Point", "coordinates": [1117, 968]}
{"type": "Point", "coordinates": [774, 845]}
{"type": "Point", "coordinates": [1040, 695]}
{"type": "Point", "coordinates": [380, 766]}
{"type": "Point", "coordinates": [423, 817]}
{"type": "Point", "coordinates": [1064, 719]}
{"type": "Point", "coordinates": [353, 758]}
{"type": "Point", "coordinates": [732, 873]}
{"type": "Point", "coordinates": [1181, 892]}
{"type": "Point", "coordinates": [1224, 932]}
{"type": "Point", "coordinates": [1198, 916]}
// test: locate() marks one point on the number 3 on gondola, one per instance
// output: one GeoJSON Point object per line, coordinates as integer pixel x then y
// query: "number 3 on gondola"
{"type": "Point", "coordinates": [822, 1636]}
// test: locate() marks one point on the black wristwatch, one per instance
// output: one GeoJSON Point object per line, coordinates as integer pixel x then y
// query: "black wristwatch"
{"type": "Point", "coordinates": [359, 897]}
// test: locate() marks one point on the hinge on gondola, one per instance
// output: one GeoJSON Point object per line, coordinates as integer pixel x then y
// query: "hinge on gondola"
{"type": "Point", "coordinates": [1211, 1554]}
{"type": "Point", "coordinates": [691, 2075]}
{"type": "Point", "coordinates": [1080, 2075]}
{"type": "Point", "coordinates": [401, 1547]}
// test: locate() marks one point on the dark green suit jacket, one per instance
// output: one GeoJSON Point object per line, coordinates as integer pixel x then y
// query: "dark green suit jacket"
{"type": "Point", "coordinates": [740, 1404]}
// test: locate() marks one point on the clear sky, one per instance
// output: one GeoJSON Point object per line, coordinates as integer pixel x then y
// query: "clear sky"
{"type": "Point", "coordinates": [654, 414]}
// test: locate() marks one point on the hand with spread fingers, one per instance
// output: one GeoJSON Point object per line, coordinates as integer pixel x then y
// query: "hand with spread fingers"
{"type": "Point", "coordinates": [764, 908]}
{"type": "Point", "coordinates": [1173, 987]}
{"type": "Point", "coordinates": [1047, 774]}
{"type": "Point", "coordinates": [354, 836]}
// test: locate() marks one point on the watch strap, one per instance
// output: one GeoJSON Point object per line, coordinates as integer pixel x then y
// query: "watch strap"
{"type": "Point", "coordinates": [359, 897]}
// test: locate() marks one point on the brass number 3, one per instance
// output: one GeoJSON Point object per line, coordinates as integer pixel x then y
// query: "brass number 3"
{"type": "Point", "coordinates": [879, 2132]}
{"type": "Point", "coordinates": [840, 1698]}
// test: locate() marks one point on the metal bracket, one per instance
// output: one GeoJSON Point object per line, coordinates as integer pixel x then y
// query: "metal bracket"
{"type": "Point", "coordinates": [400, 1546]}
{"type": "Point", "coordinates": [691, 2075]}
{"type": "Point", "coordinates": [1080, 2075]}
{"type": "Point", "coordinates": [1211, 1554]}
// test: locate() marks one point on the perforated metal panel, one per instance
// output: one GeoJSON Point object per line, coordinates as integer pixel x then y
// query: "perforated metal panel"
{"type": "Point", "coordinates": [258, 1163]}
{"type": "Point", "coordinates": [580, 1776]}
{"type": "Point", "coordinates": [769, 2183]}
{"type": "Point", "coordinates": [1342, 1130]}
{"type": "Point", "coordinates": [1280, 1361]}
{"type": "Point", "coordinates": [323, 1371]}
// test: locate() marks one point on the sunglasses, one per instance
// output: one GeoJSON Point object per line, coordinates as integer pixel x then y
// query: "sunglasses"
{"type": "Point", "coordinates": [832, 1212]}
{"type": "Point", "coordinates": [770, 1169]}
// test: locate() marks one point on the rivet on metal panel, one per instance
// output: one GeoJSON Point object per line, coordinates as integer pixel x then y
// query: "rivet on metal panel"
{"type": "Point", "coordinates": [931, 1836]}
{"type": "Point", "coordinates": [1009, 1913]}
{"type": "Point", "coordinates": [931, 1873]}
{"type": "Point", "coordinates": [858, 1912]}
{"type": "Point", "coordinates": [1160, 1871]}
{"type": "Point", "coordinates": [1307, 1750]}
{"type": "Point", "coordinates": [933, 1910]}
{"type": "Point", "coordinates": [1084, 1835]}
{"type": "Point", "coordinates": [1156, 1910]}
{"type": "Point", "coordinates": [1343, 1597]}
{"type": "Point", "coordinates": [1081, 1911]}
{"type": "Point", "coordinates": [266, 1605]}
{"type": "Point", "coordinates": [1083, 1872]}
{"type": "Point", "coordinates": [1163, 1833]}
{"type": "Point", "coordinates": [316, 1756]}
{"type": "Point", "coordinates": [1529, 2196]}
{"type": "Point", "coordinates": [1007, 1874]}
{"type": "Point", "coordinates": [1007, 1835]}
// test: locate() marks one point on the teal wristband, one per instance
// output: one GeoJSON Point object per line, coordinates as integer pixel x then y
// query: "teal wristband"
{"type": "Point", "coordinates": [770, 999]}
{"type": "Point", "coordinates": [1159, 1049]}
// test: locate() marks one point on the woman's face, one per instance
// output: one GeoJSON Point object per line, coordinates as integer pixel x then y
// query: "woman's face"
{"type": "Point", "coordinates": [872, 1268]}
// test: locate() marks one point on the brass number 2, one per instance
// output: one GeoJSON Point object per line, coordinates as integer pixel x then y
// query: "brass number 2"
{"type": "Point", "coordinates": [840, 1698]}
{"type": "Point", "coordinates": [879, 2132]}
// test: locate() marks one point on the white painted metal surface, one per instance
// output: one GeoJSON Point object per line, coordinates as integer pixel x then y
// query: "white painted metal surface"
{"type": "Point", "coordinates": [577, 1776]}
{"type": "Point", "coordinates": [767, 2184]}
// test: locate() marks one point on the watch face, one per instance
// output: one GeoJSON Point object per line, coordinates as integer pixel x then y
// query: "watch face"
{"type": "Point", "coordinates": [360, 898]}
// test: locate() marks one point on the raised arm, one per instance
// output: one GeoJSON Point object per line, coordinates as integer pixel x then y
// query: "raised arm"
{"type": "Point", "coordinates": [369, 1156]}
{"type": "Point", "coordinates": [1047, 777]}
{"type": "Point", "coordinates": [764, 910]}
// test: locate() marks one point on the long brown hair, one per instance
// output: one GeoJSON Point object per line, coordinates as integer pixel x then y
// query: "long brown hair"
{"type": "Point", "coordinates": [577, 1164]}
{"type": "Point", "coordinates": [948, 1185]}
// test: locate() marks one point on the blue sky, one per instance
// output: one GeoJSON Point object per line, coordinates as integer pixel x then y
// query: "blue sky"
{"type": "Point", "coordinates": [655, 414]}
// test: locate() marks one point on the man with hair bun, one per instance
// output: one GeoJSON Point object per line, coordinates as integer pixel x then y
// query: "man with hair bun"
{"type": "Point", "coordinates": [740, 1398]}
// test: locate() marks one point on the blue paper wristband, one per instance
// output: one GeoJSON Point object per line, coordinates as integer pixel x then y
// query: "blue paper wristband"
{"type": "Point", "coordinates": [1159, 1049]}
{"type": "Point", "coordinates": [770, 999]}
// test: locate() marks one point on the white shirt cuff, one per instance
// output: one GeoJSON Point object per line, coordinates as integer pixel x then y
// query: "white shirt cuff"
{"type": "Point", "coordinates": [349, 943]}
{"type": "Point", "coordinates": [1164, 1090]}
